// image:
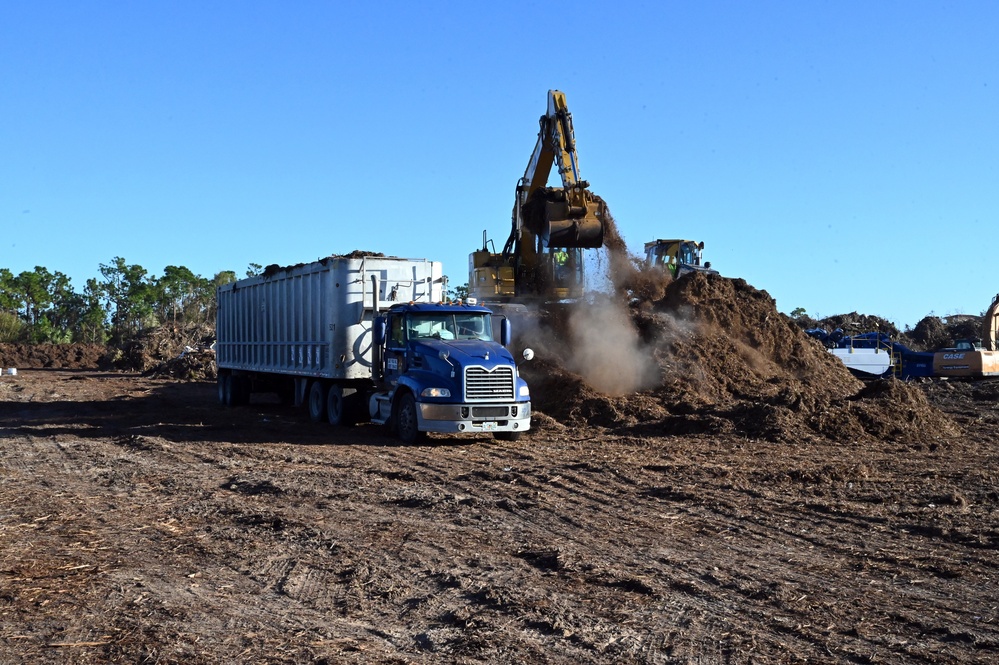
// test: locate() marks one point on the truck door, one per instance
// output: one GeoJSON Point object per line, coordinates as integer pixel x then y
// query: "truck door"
{"type": "Point", "coordinates": [395, 349]}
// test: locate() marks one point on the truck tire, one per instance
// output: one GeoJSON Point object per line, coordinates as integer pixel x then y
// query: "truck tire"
{"type": "Point", "coordinates": [507, 436]}
{"type": "Point", "coordinates": [406, 423]}
{"type": "Point", "coordinates": [338, 405]}
{"type": "Point", "coordinates": [317, 401]}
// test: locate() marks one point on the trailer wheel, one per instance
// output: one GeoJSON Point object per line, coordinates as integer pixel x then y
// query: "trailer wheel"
{"type": "Point", "coordinates": [223, 377]}
{"type": "Point", "coordinates": [338, 405]}
{"type": "Point", "coordinates": [406, 423]}
{"type": "Point", "coordinates": [317, 401]}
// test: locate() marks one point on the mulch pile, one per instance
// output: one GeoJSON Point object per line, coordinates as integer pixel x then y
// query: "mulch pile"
{"type": "Point", "coordinates": [931, 333]}
{"type": "Point", "coordinates": [725, 362]}
{"type": "Point", "coordinates": [729, 363]}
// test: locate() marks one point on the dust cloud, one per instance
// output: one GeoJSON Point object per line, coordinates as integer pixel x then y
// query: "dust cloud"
{"type": "Point", "coordinates": [607, 351]}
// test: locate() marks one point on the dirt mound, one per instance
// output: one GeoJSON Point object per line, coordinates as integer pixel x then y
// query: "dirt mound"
{"type": "Point", "coordinates": [851, 324]}
{"type": "Point", "coordinates": [892, 410]}
{"type": "Point", "coordinates": [930, 334]}
{"type": "Point", "coordinates": [707, 354]}
{"type": "Point", "coordinates": [59, 356]}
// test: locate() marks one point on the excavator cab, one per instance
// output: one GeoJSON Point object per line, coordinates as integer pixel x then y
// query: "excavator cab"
{"type": "Point", "coordinates": [554, 273]}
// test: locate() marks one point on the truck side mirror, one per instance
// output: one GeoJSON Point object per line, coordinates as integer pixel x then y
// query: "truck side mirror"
{"type": "Point", "coordinates": [506, 332]}
{"type": "Point", "coordinates": [379, 330]}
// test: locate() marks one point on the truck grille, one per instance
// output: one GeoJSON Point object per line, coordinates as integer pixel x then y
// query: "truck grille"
{"type": "Point", "coordinates": [484, 385]}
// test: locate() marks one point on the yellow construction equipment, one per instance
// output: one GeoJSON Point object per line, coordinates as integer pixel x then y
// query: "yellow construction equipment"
{"type": "Point", "coordinates": [678, 256]}
{"type": "Point", "coordinates": [968, 359]}
{"type": "Point", "coordinates": [542, 258]}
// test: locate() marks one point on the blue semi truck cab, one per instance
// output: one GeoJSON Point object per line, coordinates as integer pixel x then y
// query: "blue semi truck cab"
{"type": "Point", "coordinates": [440, 368]}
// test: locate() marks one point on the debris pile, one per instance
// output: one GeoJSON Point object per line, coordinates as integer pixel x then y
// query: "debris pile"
{"type": "Point", "coordinates": [156, 346]}
{"type": "Point", "coordinates": [191, 365]}
{"type": "Point", "coordinates": [727, 362]}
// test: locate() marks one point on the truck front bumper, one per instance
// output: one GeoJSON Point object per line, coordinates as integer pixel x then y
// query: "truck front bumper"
{"type": "Point", "coordinates": [451, 418]}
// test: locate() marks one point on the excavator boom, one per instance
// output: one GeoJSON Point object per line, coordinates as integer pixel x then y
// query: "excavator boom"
{"type": "Point", "coordinates": [542, 258]}
{"type": "Point", "coordinates": [990, 326]}
{"type": "Point", "coordinates": [562, 217]}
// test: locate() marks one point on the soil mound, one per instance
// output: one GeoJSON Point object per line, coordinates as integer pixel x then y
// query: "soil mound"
{"type": "Point", "coordinates": [56, 356]}
{"type": "Point", "coordinates": [851, 324]}
{"type": "Point", "coordinates": [930, 334]}
{"type": "Point", "coordinates": [727, 362]}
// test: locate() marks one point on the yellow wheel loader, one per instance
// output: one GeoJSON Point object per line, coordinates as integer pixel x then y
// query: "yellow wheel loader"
{"type": "Point", "coordinates": [678, 256]}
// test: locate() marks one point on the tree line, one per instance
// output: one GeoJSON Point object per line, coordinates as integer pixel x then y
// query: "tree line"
{"type": "Point", "coordinates": [40, 306]}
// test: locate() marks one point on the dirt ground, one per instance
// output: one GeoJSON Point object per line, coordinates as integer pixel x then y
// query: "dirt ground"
{"type": "Point", "coordinates": [750, 502]}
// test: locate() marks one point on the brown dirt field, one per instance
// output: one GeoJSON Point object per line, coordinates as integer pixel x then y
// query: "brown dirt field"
{"type": "Point", "coordinates": [750, 502]}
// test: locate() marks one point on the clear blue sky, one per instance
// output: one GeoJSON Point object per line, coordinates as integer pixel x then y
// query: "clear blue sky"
{"type": "Point", "coordinates": [843, 156]}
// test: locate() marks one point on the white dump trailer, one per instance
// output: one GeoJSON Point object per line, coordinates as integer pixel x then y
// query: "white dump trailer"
{"type": "Point", "coordinates": [316, 334]}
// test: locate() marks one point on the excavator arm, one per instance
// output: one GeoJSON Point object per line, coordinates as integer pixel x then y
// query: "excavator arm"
{"type": "Point", "coordinates": [566, 217]}
{"type": "Point", "coordinates": [990, 326]}
{"type": "Point", "coordinates": [542, 258]}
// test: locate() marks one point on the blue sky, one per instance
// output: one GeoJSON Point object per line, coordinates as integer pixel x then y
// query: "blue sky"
{"type": "Point", "coordinates": [842, 156]}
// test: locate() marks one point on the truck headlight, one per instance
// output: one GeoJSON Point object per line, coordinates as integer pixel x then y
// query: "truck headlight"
{"type": "Point", "coordinates": [524, 391]}
{"type": "Point", "coordinates": [435, 392]}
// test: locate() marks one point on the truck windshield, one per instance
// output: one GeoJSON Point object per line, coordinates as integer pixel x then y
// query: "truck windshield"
{"type": "Point", "coordinates": [472, 325]}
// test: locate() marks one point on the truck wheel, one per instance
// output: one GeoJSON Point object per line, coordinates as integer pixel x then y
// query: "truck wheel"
{"type": "Point", "coordinates": [507, 436]}
{"type": "Point", "coordinates": [317, 402]}
{"type": "Point", "coordinates": [337, 405]}
{"type": "Point", "coordinates": [406, 423]}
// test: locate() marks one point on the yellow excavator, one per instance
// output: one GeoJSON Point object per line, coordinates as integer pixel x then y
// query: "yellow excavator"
{"type": "Point", "coordinates": [542, 260]}
{"type": "Point", "coordinates": [970, 360]}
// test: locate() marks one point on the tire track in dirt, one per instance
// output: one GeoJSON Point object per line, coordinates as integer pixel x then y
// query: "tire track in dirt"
{"type": "Point", "coordinates": [253, 534]}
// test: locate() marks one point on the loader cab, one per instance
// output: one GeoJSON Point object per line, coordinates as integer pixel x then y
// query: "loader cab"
{"type": "Point", "coordinates": [677, 256]}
